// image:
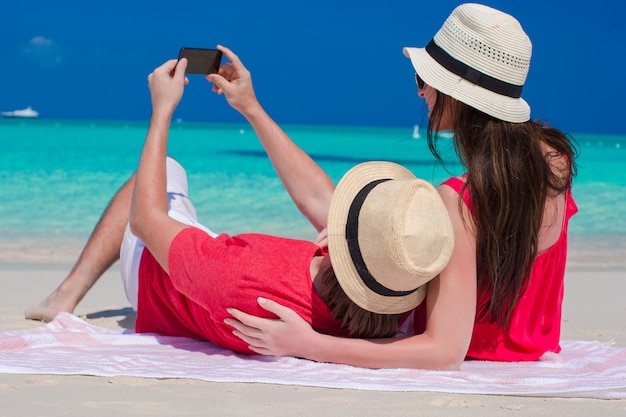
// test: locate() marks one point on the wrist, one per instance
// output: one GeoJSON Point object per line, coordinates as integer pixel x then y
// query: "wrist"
{"type": "Point", "coordinates": [160, 115]}
{"type": "Point", "coordinates": [315, 349]}
{"type": "Point", "coordinates": [253, 111]}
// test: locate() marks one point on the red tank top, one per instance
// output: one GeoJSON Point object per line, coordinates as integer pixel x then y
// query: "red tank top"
{"type": "Point", "coordinates": [208, 275]}
{"type": "Point", "coordinates": [535, 324]}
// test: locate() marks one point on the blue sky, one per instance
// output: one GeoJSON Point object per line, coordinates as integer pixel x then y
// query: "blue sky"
{"type": "Point", "coordinates": [328, 62]}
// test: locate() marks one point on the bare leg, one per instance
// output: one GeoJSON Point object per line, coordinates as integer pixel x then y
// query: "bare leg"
{"type": "Point", "coordinates": [101, 251]}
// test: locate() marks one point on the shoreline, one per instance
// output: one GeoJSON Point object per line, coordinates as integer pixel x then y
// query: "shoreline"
{"type": "Point", "coordinates": [585, 252]}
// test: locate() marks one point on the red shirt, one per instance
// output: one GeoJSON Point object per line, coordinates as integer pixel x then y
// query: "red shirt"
{"type": "Point", "coordinates": [535, 325]}
{"type": "Point", "coordinates": [207, 275]}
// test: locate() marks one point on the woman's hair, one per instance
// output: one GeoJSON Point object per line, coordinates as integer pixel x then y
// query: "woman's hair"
{"type": "Point", "coordinates": [511, 170]}
{"type": "Point", "coordinates": [357, 321]}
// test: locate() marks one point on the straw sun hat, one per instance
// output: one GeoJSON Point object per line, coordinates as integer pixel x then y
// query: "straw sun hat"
{"type": "Point", "coordinates": [480, 56]}
{"type": "Point", "coordinates": [388, 234]}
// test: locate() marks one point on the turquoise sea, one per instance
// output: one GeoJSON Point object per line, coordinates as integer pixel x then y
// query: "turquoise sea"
{"type": "Point", "coordinates": [58, 175]}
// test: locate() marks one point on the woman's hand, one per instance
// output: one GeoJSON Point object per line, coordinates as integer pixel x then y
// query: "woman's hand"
{"type": "Point", "coordinates": [322, 238]}
{"type": "Point", "coordinates": [288, 335]}
{"type": "Point", "coordinates": [235, 82]}
{"type": "Point", "coordinates": [166, 84]}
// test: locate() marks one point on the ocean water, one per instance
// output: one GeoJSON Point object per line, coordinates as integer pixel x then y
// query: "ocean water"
{"type": "Point", "coordinates": [58, 175]}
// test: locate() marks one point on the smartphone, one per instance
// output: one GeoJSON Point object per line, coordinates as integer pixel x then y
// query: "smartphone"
{"type": "Point", "coordinates": [200, 60]}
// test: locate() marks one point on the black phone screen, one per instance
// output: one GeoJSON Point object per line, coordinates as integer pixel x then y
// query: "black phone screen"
{"type": "Point", "coordinates": [200, 60]}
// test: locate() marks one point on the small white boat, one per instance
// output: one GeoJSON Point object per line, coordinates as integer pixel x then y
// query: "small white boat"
{"type": "Point", "coordinates": [27, 112]}
{"type": "Point", "coordinates": [416, 132]}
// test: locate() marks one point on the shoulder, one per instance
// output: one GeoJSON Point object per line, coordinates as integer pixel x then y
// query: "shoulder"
{"type": "Point", "coordinates": [451, 187]}
{"type": "Point", "coordinates": [456, 198]}
{"type": "Point", "coordinates": [455, 183]}
{"type": "Point", "coordinates": [451, 198]}
{"type": "Point", "coordinates": [462, 220]}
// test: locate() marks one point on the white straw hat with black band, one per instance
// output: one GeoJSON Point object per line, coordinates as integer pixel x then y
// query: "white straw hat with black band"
{"type": "Point", "coordinates": [389, 233]}
{"type": "Point", "coordinates": [481, 57]}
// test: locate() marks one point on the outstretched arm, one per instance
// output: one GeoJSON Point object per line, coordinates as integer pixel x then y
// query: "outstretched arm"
{"type": "Point", "coordinates": [307, 184]}
{"type": "Point", "coordinates": [148, 214]}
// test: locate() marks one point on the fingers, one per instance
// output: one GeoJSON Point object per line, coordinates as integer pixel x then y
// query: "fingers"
{"type": "Point", "coordinates": [166, 84]}
{"type": "Point", "coordinates": [173, 69]}
{"type": "Point", "coordinates": [179, 72]}
{"type": "Point", "coordinates": [226, 70]}
{"type": "Point", "coordinates": [222, 78]}
{"type": "Point", "coordinates": [259, 322]}
{"type": "Point", "coordinates": [234, 59]}
{"type": "Point", "coordinates": [244, 329]}
{"type": "Point", "coordinates": [250, 340]}
{"type": "Point", "coordinates": [260, 350]}
{"type": "Point", "coordinates": [168, 67]}
{"type": "Point", "coordinates": [322, 238]}
{"type": "Point", "coordinates": [273, 307]}
{"type": "Point", "coordinates": [268, 336]}
{"type": "Point", "coordinates": [248, 320]}
{"type": "Point", "coordinates": [219, 83]}
{"type": "Point", "coordinates": [254, 326]}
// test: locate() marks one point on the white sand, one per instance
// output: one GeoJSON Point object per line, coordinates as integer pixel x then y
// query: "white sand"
{"type": "Point", "coordinates": [594, 310]}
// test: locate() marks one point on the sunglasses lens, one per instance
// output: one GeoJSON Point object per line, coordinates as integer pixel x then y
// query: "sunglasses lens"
{"type": "Point", "coordinates": [419, 81]}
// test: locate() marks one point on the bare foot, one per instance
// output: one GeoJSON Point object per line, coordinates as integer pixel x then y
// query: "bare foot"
{"type": "Point", "coordinates": [47, 310]}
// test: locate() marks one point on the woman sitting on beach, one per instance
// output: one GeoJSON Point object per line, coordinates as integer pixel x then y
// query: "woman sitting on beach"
{"type": "Point", "coordinates": [500, 296]}
{"type": "Point", "coordinates": [181, 277]}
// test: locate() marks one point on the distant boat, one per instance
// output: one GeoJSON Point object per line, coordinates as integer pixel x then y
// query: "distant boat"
{"type": "Point", "coordinates": [416, 132]}
{"type": "Point", "coordinates": [28, 112]}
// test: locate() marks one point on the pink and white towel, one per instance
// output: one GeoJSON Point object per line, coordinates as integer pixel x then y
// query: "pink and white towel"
{"type": "Point", "coordinates": [70, 346]}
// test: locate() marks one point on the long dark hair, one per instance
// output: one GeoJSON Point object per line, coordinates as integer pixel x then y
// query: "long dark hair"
{"type": "Point", "coordinates": [512, 168]}
{"type": "Point", "coordinates": [357, 321]}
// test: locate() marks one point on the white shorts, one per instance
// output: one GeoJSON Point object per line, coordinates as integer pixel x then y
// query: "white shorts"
{"type": "Point", "coordinates": [179, 208]}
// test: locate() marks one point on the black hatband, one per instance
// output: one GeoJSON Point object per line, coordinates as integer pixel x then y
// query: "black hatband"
{"type": "Point", "coordinates": [352, 238]}
{"type": "Point", "coordinates": [472, 75]}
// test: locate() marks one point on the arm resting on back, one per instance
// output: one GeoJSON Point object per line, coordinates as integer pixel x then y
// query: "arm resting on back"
{"type": "Point", "coordinates": [451, 307]}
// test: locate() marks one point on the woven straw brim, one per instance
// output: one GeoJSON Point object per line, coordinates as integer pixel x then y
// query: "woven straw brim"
{"type": "Point", "coordinates": [515, 110]}
{"type": "Point", "coordinates": [340, 257]}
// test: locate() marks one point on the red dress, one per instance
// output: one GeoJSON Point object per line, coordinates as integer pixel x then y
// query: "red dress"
{"type": "Point", "coordinates": [535, 325]}
{"type": "Point", "coordinates": [207, 275]}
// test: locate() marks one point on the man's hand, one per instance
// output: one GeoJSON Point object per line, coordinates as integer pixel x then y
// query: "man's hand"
{"type": "Point", "coordinates": [235, 82]}
{"type": "Point", "coordinates": [166, 84]}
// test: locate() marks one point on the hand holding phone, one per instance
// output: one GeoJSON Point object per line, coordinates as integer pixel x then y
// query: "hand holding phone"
{"type": "Point", "coordinates": [201, 60]}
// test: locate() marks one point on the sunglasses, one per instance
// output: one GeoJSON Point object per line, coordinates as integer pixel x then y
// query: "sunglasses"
{"type": "Point", "coordinates": [420, 83]}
